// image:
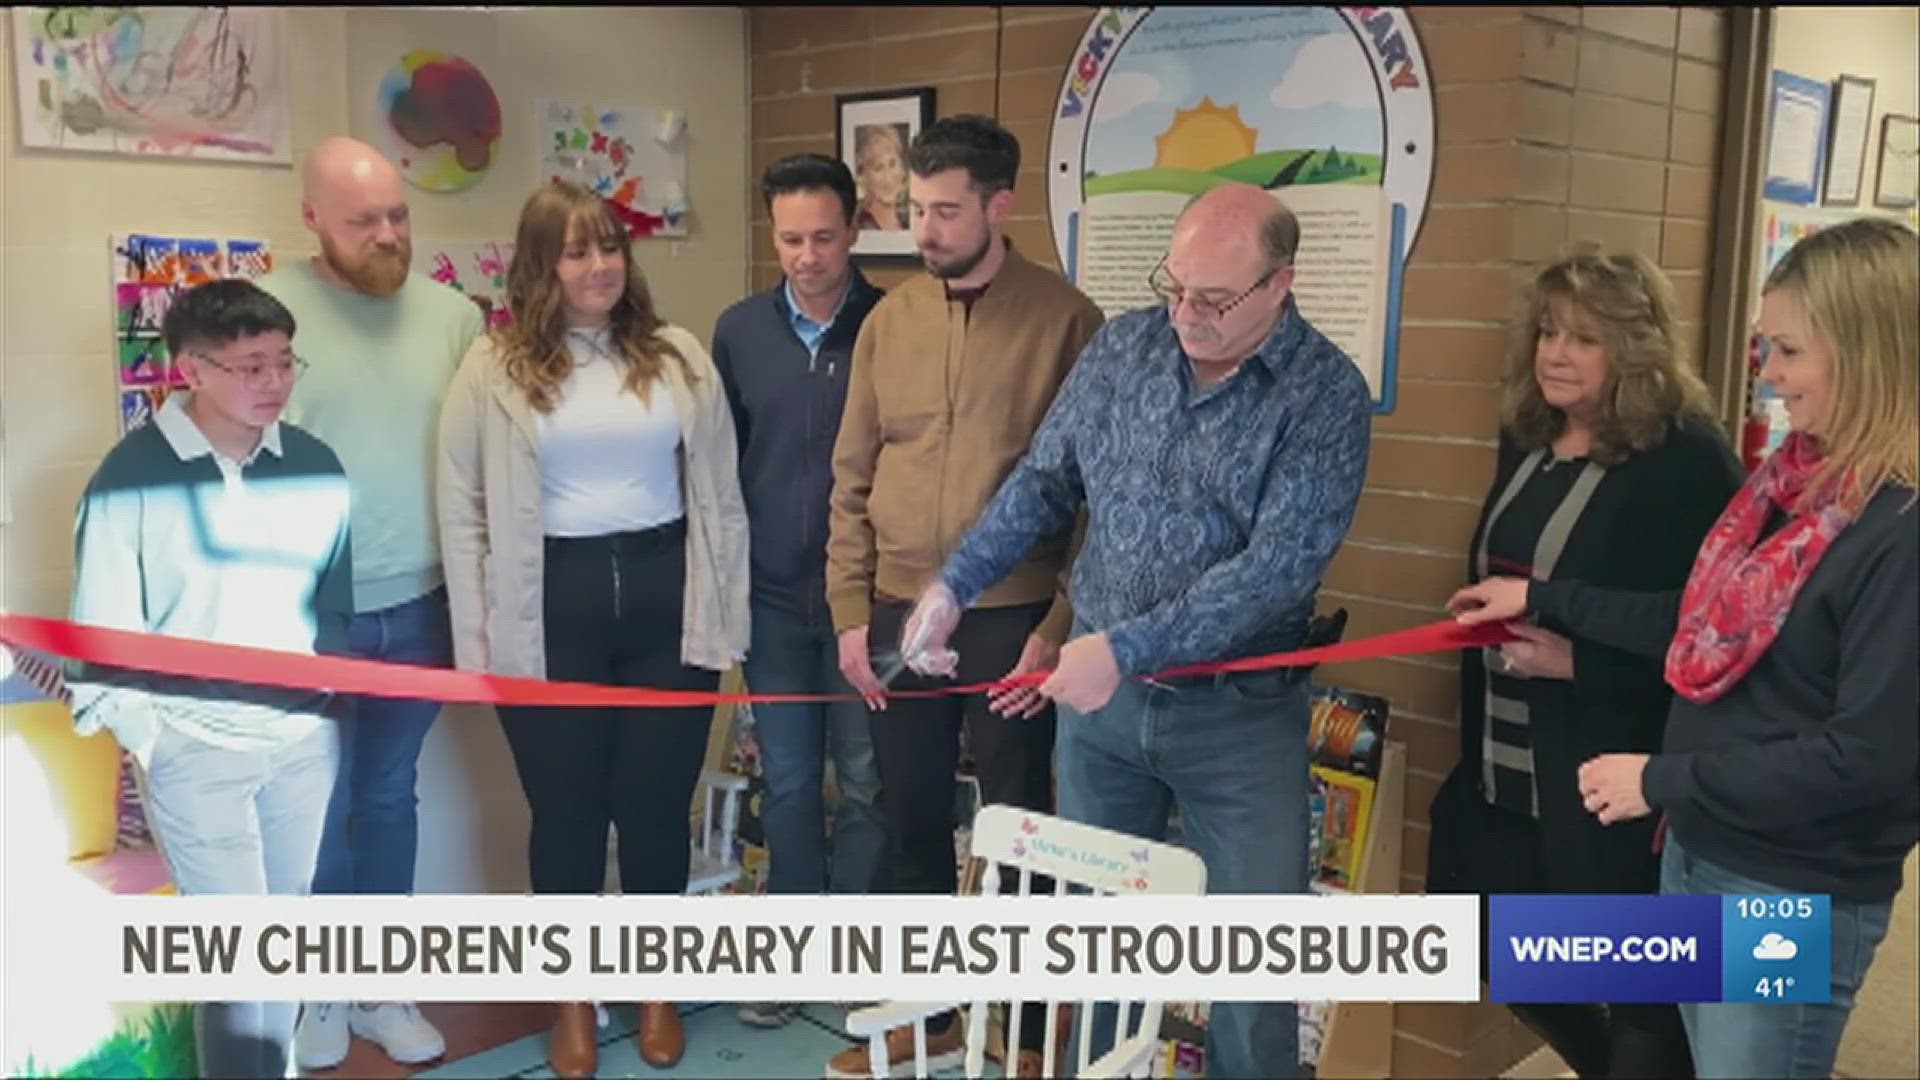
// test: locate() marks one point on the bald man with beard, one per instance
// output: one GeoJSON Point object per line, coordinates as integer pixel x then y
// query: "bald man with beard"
{"type": "Point", "coordinates": [381, 344]}
{"type": "Point", "coordinates": [1218, 442]}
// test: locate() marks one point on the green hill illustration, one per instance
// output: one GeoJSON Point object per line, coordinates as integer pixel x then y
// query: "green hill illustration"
{"type": "Point", "coordinates": [1270, 169]}
{"type": "Point", "coordinates": [1209, 144]}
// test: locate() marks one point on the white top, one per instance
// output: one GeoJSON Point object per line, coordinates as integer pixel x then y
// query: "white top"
{"type": "Point", "coordinates": [608, 463]}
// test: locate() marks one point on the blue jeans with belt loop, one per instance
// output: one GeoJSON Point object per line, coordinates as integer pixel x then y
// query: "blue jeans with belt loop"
{"type": "Point", "coordinates": [1796, 1040]}
{"type": "Point", "coordinates": [1232, 753]}
{"type": "Point", "coordinates": [799, 654]}
{"type": "Point", "coordinates": [372, 833]}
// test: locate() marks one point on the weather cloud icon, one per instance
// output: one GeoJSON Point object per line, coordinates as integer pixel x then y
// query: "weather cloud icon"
{"type": "Point", "coordinates": [1775, 947]}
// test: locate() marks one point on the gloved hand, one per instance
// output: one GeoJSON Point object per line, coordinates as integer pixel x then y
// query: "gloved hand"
{"type": "Point", "coordinates": [924, 636]}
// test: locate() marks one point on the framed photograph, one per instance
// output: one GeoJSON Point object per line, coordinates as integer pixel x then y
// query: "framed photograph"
{"type": "Point", "coordinates": [873, 131]}
{"type": "Point", "coordinates": [1847, 145]}
{"type": "Point", "coordinates": [1899, 181]}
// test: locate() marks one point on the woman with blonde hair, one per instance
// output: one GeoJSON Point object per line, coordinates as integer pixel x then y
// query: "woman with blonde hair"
{"type": "Point", "coordinates": [1792, 756]}
{"type": "Point", "coordinates": [1609, 471]}
{"type": "Point", "coordinates": [881, 155]}
{"type": "Point", "coordinates": [593, 531]}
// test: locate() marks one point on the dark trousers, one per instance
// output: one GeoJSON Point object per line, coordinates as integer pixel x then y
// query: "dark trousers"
{"type": "Point", "coordinates": [613, 616]}
{"type": "Point", "coordinates": [916, 743]}
{"type": "Point", "coordinates": [1477, 847]}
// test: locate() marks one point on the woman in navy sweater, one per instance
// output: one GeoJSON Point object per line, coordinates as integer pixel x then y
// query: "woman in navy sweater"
{"type": "Point", "coordinates": [1791, 762]}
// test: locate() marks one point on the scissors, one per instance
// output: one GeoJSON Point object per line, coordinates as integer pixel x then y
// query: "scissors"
{"type": "Point", "coordinates": [888, 665]}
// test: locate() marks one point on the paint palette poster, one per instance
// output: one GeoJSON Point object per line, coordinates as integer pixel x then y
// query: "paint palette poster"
{"type": "Point", "coordinates": [149, 271]}
{"type": "Point", "coordinates": [439, 120]}
{"type": "Point", "coordinates": [476, 271]}
{"type": "Point", "coordinates": [632, 156]}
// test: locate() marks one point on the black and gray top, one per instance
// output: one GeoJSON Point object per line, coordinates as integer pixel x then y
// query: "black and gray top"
{"type": "Point", "coordinates": [1634, 525]}
{"type": "Point", "coordinates": [1526, 533]}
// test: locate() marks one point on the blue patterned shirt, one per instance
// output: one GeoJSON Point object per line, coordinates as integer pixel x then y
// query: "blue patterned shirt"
{"type": "Point", "coordinates": [1212, 512]}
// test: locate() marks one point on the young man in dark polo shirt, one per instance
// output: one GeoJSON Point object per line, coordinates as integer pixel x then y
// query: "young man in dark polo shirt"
{"type": "Point", "coordinates": [217, 522]}
{"type": "Point", "coordinates": [785, 355]}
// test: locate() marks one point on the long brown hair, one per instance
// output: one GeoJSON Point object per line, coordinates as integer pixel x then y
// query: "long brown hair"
{"type": "Point", "coordinates": [1858, 284]}
{"type": "Point", "coordinates": [533, 347]}
{"type": "Point", "coordinates": [1650, 386]}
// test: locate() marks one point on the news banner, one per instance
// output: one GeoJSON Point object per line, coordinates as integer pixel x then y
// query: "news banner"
{"type": "Point", "coordinates": [726, 948]}
{"type": "Point", "coordinates": [1340, 947]}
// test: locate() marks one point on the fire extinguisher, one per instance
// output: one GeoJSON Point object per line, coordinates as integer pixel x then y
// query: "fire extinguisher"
{"type": "Point", "coordinates": [1753, 434]}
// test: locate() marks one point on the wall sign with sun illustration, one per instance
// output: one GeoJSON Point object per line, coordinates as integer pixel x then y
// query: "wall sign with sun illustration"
{"type": "Point", "coordinates": [1329, 108]}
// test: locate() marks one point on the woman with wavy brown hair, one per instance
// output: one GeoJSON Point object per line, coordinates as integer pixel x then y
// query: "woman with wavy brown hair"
{"type": "Point", "coordinates": [593, 531]}
{"type": "Point", "coordinates": [1791, 753]}
{"type": "Point", "coordinates": [1610, 471]}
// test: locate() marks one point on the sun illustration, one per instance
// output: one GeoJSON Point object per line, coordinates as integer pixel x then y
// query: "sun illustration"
{"type": "Point", "coordinates": [1203, 137]}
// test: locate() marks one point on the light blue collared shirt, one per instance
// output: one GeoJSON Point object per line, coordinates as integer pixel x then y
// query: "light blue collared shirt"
{"type": "Point", "coordinates": [812, 333]}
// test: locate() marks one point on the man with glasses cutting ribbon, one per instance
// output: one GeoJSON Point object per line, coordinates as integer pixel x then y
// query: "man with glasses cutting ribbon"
{"type": "Point", "coordinates": [1219, 443]}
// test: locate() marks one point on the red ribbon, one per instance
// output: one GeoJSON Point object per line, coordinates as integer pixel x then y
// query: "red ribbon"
{"type": "Point", "coordinates": [272, 667]}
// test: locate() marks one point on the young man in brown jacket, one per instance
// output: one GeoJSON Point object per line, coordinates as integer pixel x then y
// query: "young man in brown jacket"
{"type": "Point", "coordinates": [952, 373]}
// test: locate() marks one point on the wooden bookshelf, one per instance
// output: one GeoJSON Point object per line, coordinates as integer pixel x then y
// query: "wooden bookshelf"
{"type": "Point", "coordinates": [1357, 1039]}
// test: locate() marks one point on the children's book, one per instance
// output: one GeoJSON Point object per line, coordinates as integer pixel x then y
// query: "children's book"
{"type": "Point", "coordinates": [1344, 831]}
{"type": "Point", "coordinates": [1347, 730]}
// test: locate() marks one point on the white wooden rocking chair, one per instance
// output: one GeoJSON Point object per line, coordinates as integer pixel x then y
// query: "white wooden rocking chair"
{"type": "Point", "coordinates": [1001, 838]}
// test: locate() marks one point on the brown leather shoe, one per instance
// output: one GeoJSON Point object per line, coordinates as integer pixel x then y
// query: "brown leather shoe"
{"type": "Point", "coordinates": [662, 1040]}
{"type": "Point", "coordinates": [572, 1051]}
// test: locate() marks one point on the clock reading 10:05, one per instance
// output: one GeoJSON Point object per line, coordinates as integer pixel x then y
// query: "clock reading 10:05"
{"type": "Point", "coordinates": [1774, 907]}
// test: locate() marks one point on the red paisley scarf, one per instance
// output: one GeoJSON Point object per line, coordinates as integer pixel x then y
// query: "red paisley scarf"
{"type": "Point", "coordinates": [1741, 587]}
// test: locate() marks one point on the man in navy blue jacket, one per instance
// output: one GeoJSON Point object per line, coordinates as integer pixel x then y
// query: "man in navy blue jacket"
{"type": "Point", "coordinates": [784, 355]}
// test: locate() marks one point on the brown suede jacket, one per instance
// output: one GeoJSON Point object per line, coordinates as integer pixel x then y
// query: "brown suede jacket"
{"type": "Point", "coordinates": [940, 408]}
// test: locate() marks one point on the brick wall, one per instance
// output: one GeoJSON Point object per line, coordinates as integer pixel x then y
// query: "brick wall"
{"type": "Point", "coordinates": [1003, 63]}
{"type": "Point", "coordinates": [1554, 124]}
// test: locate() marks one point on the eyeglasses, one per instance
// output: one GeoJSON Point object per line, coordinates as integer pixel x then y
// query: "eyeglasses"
{"type": "Point", "coordinates": [256, 371]}
{"type": "Point", "coordinates": [1172, 292]}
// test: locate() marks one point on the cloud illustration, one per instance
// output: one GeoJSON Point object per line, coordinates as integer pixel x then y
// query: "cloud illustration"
{"type": "Point", "coordinates": [1123, 92]}
{"type": "Point", "coordinates": [1775, 947]}
{"type": "Point", "coordinates": [1329, 70]}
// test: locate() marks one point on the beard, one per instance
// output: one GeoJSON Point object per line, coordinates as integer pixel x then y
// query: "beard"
{"type": "Point", "coordinates": [958, 266]}
{"type": "Point", "coordinates": [373, 270]}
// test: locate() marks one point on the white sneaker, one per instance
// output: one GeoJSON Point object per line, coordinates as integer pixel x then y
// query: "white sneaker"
{"type": "Point", "coordinates": [398, 1028]}
{"type": "Point", "coordinates": [766, 1014]}
{"type": "Point", "coordinates": [320, 1042]}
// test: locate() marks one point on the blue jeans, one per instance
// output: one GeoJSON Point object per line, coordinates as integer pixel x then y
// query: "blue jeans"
{"type": "Point", "coordinates": [793, 654]}
{"type": "Point", "coordinates": [373, 830]}
{"type": "Point", "coordinates": [240, 823]}
{"type": "Point", "coordinates": [1234, 758]}
{"type": "Point", "coordinates": [1787, 1040]}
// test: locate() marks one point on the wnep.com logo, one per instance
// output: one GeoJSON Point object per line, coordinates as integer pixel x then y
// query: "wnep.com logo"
{"type": "Point", "coordinates": [1660, 948]}
{"type": "Point", "coordinates": [1604, 948]}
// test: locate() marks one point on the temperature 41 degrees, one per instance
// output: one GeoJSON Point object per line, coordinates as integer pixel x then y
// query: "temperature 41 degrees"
{"type": "Point", "coordinates": [1774, 987]}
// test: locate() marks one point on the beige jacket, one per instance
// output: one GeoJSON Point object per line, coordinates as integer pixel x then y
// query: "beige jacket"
{"type": "Point", "coordinates": [491, 534]}
{"type": "Point", "coordinates": [940, 408]}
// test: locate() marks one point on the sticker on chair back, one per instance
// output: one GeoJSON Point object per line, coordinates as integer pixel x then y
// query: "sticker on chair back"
{"type": "Point", "coordinates": [1122, 872]}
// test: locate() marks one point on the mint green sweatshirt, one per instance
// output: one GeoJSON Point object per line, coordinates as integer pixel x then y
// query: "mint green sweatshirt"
{"type": "Point", "coordinates": [377, 370]}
